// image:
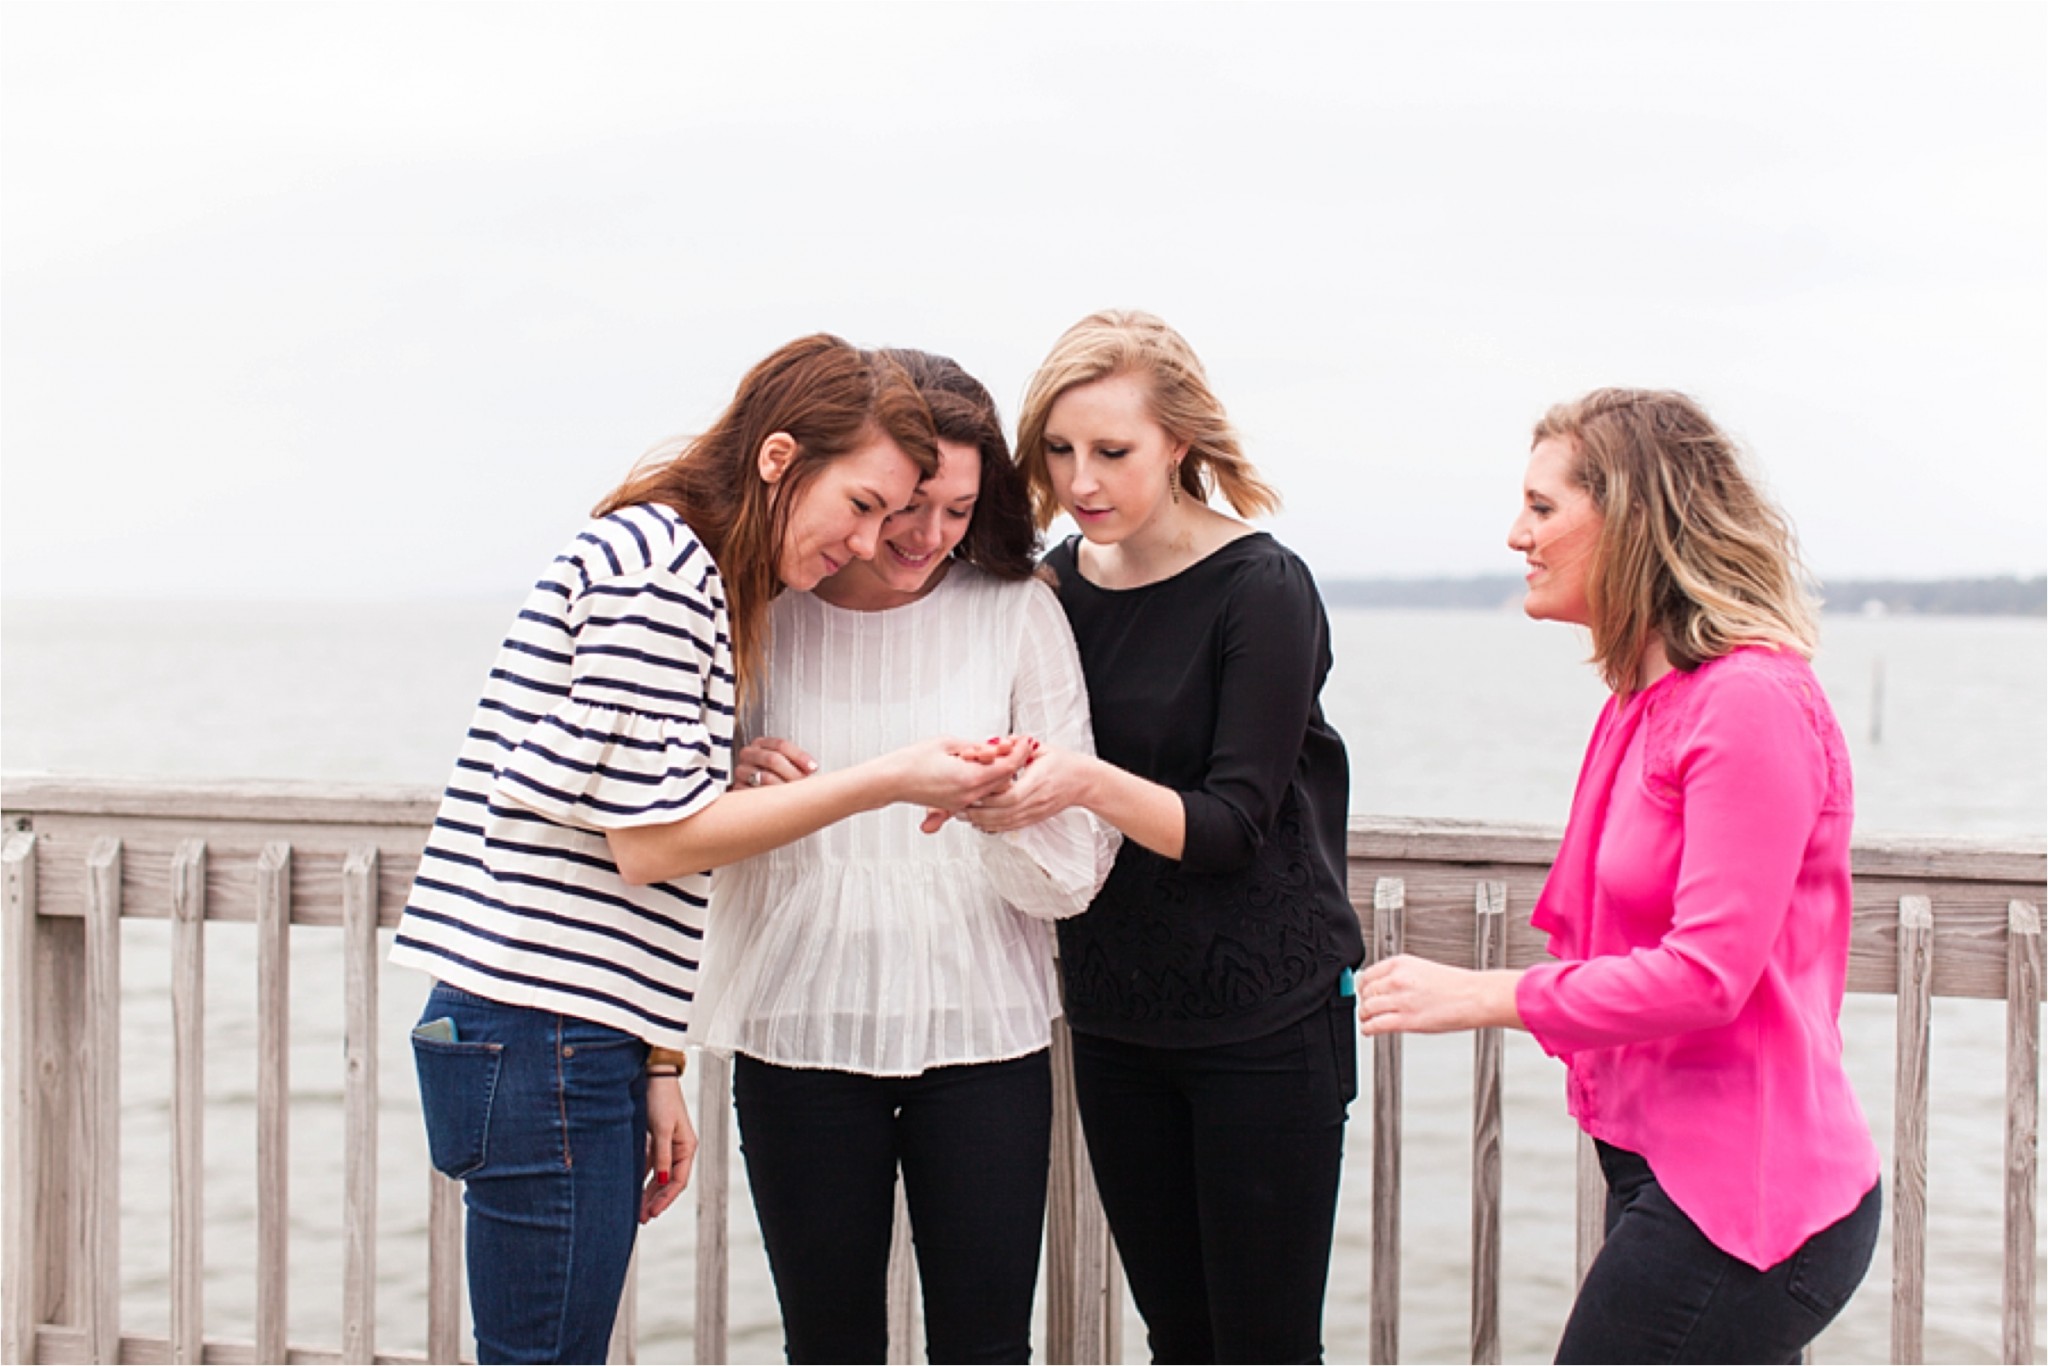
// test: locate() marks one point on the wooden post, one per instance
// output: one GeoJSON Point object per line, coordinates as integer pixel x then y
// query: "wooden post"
{"type": "Point", "coordinates": [1489, 950]}
{"type": "Point", "coordinates": [1383, 1328]}
{"type": "Point", "coordinates": [2022, 1120]}
{"type": "Point", "coordinates": [903, 1319]}
{"type": "Point", "coordinates": [19, 1128]}
{"type": "Point", "coordinates": [713, 1175]}
{"type": "Point", "coordinates": [273, 1097]}
{"type": "Point", "coordinates": [1591, 1231]}
{"type": "Point", "coordinates": [444, 1268]}
{"type": "Point", "coordinates": [99, 1050]}
{"type": "Point", "coordinates": [1083, 1289]}
{"type": "Point", "coordinates": [188, 1102]}
{"type": "Point", "coordinates": [359, 1105]}
{"type": "Point", "coordinates": [1909, 1131]}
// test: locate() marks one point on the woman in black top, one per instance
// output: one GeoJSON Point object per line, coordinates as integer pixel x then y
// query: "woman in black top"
{"type": "Point", "coordinates": [1208, 984]}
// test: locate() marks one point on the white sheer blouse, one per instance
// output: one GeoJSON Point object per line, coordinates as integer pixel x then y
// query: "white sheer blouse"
{"type": "Point", "coordinates": [870, 946]}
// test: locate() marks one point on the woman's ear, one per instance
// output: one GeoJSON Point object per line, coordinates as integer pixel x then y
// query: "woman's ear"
{"type": "Point", "coordinates": [776, 452]}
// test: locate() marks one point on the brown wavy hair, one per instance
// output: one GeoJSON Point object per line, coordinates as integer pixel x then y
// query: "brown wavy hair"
{"type": "Point", "coordinates": [832, 399]}
{"type": "Point", "coordinates": [1691, 549]}
{"type": "Point", "coordinates": [1001, 537]}
{"type": "Point", "coordinates": [1125, 342]}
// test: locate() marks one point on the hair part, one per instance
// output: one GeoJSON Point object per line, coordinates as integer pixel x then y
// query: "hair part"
{"type": "Point", "coordinates": [1125, 342]}
{"type": "Point", "coordinates": [831, 399]}
{"type": "Point", "coordinates": [1691, 549]}
{"type": "Point", "coordinates": [1001, 538]}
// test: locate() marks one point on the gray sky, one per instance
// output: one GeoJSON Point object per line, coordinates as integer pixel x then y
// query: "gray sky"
{"type": "Point", "coordinates": [365, 300]}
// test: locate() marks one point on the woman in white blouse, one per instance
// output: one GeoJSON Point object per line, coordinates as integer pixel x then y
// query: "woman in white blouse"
{"type": "Point", "coordinates": [889, 990]}
{"type": "Point", "coordinates": [560, 898]}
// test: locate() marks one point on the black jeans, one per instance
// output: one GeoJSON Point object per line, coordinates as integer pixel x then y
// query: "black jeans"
{"type": "Point", "coordinates": [1659, 1291]}
{"type": "Point", "coordinates": [1218, 1169]}
{"type": "Point", "coordinates": [822, 1150]}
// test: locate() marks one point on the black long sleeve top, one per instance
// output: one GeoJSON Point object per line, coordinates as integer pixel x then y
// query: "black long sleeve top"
{"type": "Point", "coordinates": [1210, 683]}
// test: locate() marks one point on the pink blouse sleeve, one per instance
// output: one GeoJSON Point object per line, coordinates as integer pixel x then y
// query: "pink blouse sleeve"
{"type": "Point", "coordinates": [1750, 777]}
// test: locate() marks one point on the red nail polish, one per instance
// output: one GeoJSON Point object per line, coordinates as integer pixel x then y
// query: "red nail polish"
{"type": "Point", "coordinates": [661, 1178]}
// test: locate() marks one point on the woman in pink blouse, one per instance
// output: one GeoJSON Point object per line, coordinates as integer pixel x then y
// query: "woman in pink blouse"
{"type": "Point", "coordinates": [1699, 907]}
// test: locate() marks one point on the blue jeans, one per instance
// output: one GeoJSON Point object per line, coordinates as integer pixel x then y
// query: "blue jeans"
{"type": "Point", "coordinates": [543, 1117]}
{"type": "Point", "coordinates": [822, 1150]}
{"type": "Point", "coordinates": [1659, 1291]}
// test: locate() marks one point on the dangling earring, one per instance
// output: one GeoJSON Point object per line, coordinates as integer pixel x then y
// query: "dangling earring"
{"type": "Point", "coordinates": [1173, 481]}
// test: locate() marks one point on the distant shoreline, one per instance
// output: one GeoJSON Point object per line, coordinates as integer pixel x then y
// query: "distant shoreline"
{"type": "Point", "coordinates": [2004, 596]}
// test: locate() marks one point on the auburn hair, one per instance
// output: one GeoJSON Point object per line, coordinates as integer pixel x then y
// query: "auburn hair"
{"type": "Point", "coordinates": [831, 399]}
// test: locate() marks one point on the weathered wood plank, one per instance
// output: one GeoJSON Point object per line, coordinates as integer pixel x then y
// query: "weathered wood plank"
{"type": "Point", "coordinates": [67, 1345]}
{"type": "Point", "coordinates": [18, 1124]}
{"type": "Point", "coordinates": [1590, 1221]}
{"type": "Point", "coordinates": [444, 1268]}
{"type": "Point", "coordinates": [1489, 948]}
{"type": "Point", "coordinates": [713, 1175]}
{"type": "Point", "coordinates": [1383, 1305]}
{"type": "Point", "coordinates": [359, 1106]}
{"type": "Point", "coordinates": [60, 1291]}
{"type": "Point", "coordinates": [1083, 1300]}
{"type": "Point", "coordinates": [1909, 1131]}
{"type": "Point", "coordinates": [99, 1159]}
{"type": "Point", "coordinates": [273, 1098]}
{"type": "Point", "coordinates": [235, 800]}
{"type": "Point", "coordinates": [903, 1318]}
{"type": "Point", "coordinates": [2022, 1128]}
{"type": "Point", "coordinates": [318, 871]}
{"type": "Point", "coordinates": [188, 1101]}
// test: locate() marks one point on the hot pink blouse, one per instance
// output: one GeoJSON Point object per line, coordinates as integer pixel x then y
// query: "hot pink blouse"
{"type": "Point", "coordinates": [1700, 908]}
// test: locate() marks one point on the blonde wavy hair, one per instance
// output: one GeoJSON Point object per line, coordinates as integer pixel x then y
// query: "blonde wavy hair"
{"type": "Point", "coordinates": [1690, 548]}
{"type": "Point", "coordinates": [1123, 342]}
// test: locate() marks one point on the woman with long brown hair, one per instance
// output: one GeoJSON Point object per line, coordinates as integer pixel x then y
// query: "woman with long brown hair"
{"type": "Point", "coordinates": [1699, 907]}
{"type": "Point", "coordinates": [889, 994]}
{"type": "Point", "coordinates": [561, 896]}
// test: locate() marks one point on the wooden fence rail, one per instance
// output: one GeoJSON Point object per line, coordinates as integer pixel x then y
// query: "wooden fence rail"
{"type": "Point", "coordinates": [1933, 918]}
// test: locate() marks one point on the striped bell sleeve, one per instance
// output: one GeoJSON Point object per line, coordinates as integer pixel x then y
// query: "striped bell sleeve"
{"type": "Point", "coordinates": [610, 704]}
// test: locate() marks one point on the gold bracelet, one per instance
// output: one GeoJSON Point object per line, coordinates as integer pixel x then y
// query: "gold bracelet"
{"type": "Point", "coordinates": [668, 1057]}
{"type": "Point", "coordinates": [663, 1071]}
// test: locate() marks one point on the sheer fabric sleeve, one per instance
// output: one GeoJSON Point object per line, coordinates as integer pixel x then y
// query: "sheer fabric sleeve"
{"type": "Point", "coordinates": [1053, 869]}
{"type": "Point", "coordinates": [640, 732]}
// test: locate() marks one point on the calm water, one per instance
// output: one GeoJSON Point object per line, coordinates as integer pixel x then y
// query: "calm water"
{"type": "Point", "coordinates": [1446, 714]}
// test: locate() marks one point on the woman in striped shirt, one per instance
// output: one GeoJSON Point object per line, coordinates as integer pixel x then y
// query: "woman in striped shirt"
{"type": "Point", "coordinates": [560, 898]}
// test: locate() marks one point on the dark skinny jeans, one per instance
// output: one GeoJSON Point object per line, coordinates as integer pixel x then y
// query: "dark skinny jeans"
{"type": "Point", "coordinates": [822, 1150]}
{"type": "Point", "coordinates": [1660, 1292]}
{"type": "Point", "coordinates": [1218, 1169]}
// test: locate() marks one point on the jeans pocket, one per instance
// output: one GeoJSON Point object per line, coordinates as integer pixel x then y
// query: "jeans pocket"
{"type": "Point", "coordinates": [1830, 1265]}
{"type": "Point", "coordinates": [458, 1082]}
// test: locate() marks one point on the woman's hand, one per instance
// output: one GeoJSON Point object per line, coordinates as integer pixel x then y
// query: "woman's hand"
{"type": "Point", "coordinates": [770, 760]}
{"type": "Point", "coordinates": [948, 775]}
{"type": "Point", "coordinates": [671, 1146]}
{"type": "Point", "coordinates": [1052, 781]}
{"type": "Point", "coordinates": [1409, 995]}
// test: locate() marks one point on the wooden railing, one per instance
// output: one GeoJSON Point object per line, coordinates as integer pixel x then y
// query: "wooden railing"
{"type": "Point", "coordinates": [1933, 918]}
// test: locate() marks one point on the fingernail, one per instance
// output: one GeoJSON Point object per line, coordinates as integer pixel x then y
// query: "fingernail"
{"type": "Point", "coordinates": [811, 767]}
{"type": "Point", "coordinates": [661, 1178]}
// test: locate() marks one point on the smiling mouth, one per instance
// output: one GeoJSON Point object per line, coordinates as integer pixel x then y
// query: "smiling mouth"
{"type": "Point", "coordinates": [909, 560]}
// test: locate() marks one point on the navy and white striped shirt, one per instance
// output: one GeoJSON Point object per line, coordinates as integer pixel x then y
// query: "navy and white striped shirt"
{"type": "Point", "coordinates": [610, 705]}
